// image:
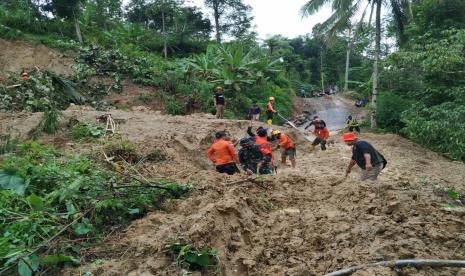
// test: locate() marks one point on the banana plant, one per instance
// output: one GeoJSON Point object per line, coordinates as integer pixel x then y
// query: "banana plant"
{"type": "Point", "coordinates": [205, 65]}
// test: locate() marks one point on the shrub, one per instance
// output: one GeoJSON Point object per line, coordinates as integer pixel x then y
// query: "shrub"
{"type": "Point", "coordinates": [173, 106]}
{"type": "Point", "coordinates": [49, 123]}
{"type": "Point", "coordinates": [439, 127]}
{"type": "Point", "coordinates": [390, 109]}
{"type": "Point", "coordinates": [86, 130]}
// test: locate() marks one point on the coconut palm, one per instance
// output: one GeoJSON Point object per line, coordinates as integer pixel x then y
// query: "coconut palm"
{"type": "Point", "coordinates": [345, 10]}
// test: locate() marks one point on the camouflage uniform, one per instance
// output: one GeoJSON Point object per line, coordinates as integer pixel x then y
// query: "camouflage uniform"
{"type": "Point", "coordinates": [250, 156]}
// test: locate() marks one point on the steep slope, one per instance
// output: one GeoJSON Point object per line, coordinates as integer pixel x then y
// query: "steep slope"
{"type": "Point", "coordinates": [21, 55]}
{"type": "Point", "coordinates": [304, 222]}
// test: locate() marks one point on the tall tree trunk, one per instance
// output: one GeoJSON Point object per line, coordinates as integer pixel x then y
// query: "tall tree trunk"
{"type": "Point", "coordinates": [374, 92]}
{"type": "Point", "coordinates": [351, 45]}
{"type": "Point", "coordinates": [78, 28]}
{"type": "Point", "coordinates": [321, 72]}
{"type": "Point", "coordinates": [165, 48]}
{"type": "Point", "coordinates": [371, 14]}
{"type": "Point", "coordinates": [217, 22]}
{"type": "Point", "coordinates": [346, 75]}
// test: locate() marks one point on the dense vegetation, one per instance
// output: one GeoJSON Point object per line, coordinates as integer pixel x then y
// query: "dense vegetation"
{"type": "Point", "coordinates": [62, 203]}
{"type": "Point", "coordinates": [168, 45]}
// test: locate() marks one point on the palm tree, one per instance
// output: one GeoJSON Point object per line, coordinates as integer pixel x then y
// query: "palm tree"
{"type": "Point", "coordinates": [345, 10]}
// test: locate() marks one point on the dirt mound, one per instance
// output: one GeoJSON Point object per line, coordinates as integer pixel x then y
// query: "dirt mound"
{"type": "Point", "coordinates": [18, 55]}
{"type": "Point", "coordinates": [304, 222]}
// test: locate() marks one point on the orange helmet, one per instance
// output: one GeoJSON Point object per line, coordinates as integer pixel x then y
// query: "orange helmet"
{"type": "Point", "coordinates": [349, 136]}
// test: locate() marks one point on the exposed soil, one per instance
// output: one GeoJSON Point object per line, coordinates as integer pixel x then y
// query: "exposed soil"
{"type": "Point", "coordinates": [17, 55]}
{"type": "Point", "coordinates": [304, 222]}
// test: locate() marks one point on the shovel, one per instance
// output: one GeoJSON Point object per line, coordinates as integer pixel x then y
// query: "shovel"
{"type": "Point", "coordinates": [294, 126]}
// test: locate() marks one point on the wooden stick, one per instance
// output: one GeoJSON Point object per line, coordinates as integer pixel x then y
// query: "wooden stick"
{"type": "Point", "coordinates": [401, 263]}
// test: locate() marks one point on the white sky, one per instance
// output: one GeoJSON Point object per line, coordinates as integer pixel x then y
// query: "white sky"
{"type": "Point", "coordinates": [273, 17]}
{"type": "Point", "coordinates": [279, 17]}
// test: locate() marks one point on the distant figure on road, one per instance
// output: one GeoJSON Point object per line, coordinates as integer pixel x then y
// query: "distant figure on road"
{"type": "Point", "coordinates": [317, 122]}
{"type": "Point", "coordinates": [219, 102]}
{"type": "Point", "coordinates": [353, 124]}
{"type": "Point", "coordinates": [322, 135]}
{"type": "Point", "coordinates": [254, 112]}
{"type": "Point", "coordinates": [365, 156]}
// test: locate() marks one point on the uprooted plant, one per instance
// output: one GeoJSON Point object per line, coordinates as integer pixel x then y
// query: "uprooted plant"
{"type": "Point", "coordinates": [187, 256]}
{"type": "Point", "coordinates": [53, 205]}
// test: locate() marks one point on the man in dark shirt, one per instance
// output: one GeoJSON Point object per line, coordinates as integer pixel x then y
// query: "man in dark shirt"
{"type": "Point", "coordinates": [251, 158]}
{"type": "Point", "coordinates": [317, 122]}
{"type": "Point", "coordinates": [218, 100]}
{"type": "Point", "coordinates": [370, 161]}
{"type": "Point", "coordinates": [254, 112]}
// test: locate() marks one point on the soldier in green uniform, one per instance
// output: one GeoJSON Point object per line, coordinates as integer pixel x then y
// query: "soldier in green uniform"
{"type": "Point", "coordinates": [251, 158]}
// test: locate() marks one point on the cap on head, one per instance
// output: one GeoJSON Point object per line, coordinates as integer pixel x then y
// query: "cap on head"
{"type": "Point", "coordinates": [261, 132]}
{"type": "Point", "coordinates": [218, 88]}
{"type": "Point", "coordinates": [349, 136]}
{"type": "Point", "coordinates": [271, 99]}
{"type": "Point", "coordinates": [276, 132]}
{"type": "Point", "coordinates": [220, 134]}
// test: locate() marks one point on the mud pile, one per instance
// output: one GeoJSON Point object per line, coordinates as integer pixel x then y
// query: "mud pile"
{"type": "Point", "coordinates": [304, 222]}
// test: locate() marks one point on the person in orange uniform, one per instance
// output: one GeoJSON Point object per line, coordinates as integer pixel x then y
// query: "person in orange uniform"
{"type": "Point", "coordinates": [25, 76]}
{"type": "Point", "coordinates": [322, 134]}
{"type": "Point", "coordinates": [223, 154]}
{"type": "Point", "coordinates": [288, 146]}
{"type": "Point", "coordinates": [270, 111]}
{"type": "Point", "coordinates": [262, 140]}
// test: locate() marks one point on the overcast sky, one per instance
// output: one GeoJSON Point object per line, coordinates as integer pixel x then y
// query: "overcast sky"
{"type": "Point", "coordinates": [278, 17]}
{"type": "Point", "coordinates": [281, 17]}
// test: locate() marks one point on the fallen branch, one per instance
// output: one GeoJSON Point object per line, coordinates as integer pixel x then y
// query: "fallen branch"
{"type": "Point", "coordinates": [144, 185]}
{"type": "Point", "coordinates": [400, 264]}
{"type": "Point", "coordinates": [45, 243]}
{"type": "Point", "coordinates": [145, 182]}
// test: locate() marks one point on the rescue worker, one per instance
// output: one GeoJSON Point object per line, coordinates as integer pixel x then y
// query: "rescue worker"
{"type": "Point", "coordinates": [263, 141]}
{"type": "Point", "coordinates": [353, 124]}
{"type": "Point", "coordinates": [223, 154]}
{"type": "Point", "coordinates": [254, 112]}
{"type": "Point", "coordinates": [322, 135]}
{"type": "Point", "coordinates": [365, 156]}
{"type": "Point", "coordinates": [317, 123]}
{"type": "Point", "coordinates": [25, 76]}
{"type": "Point", "coordinates": [288, 146]}
{"type": "Point", "coordinates": [270, 111]}
{"type": "Point", "coordinates": [252, 159]}
{"type": "Point", "coordinates": [219, 102]}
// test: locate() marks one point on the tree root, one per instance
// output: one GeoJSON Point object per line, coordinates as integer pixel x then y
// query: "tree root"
{"type": "Point", "coordinates": [400, 264]}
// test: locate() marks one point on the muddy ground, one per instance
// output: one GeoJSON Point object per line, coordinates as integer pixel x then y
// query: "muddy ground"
{"type": "Point", "coordinates": [302, 222]}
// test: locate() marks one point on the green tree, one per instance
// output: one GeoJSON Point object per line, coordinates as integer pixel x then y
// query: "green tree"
{"type": "Point", "coordinates": [67, 9]}
{"type": "Point", "coordinates": [340, 20]}
{"type": "Point", "coordinates": [231, 17]}
{"type": "Point", "coordinates": [104, 11]}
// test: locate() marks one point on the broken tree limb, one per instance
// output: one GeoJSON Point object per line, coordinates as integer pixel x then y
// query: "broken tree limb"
{"type": "Point", "coordinates": [401, 263]}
